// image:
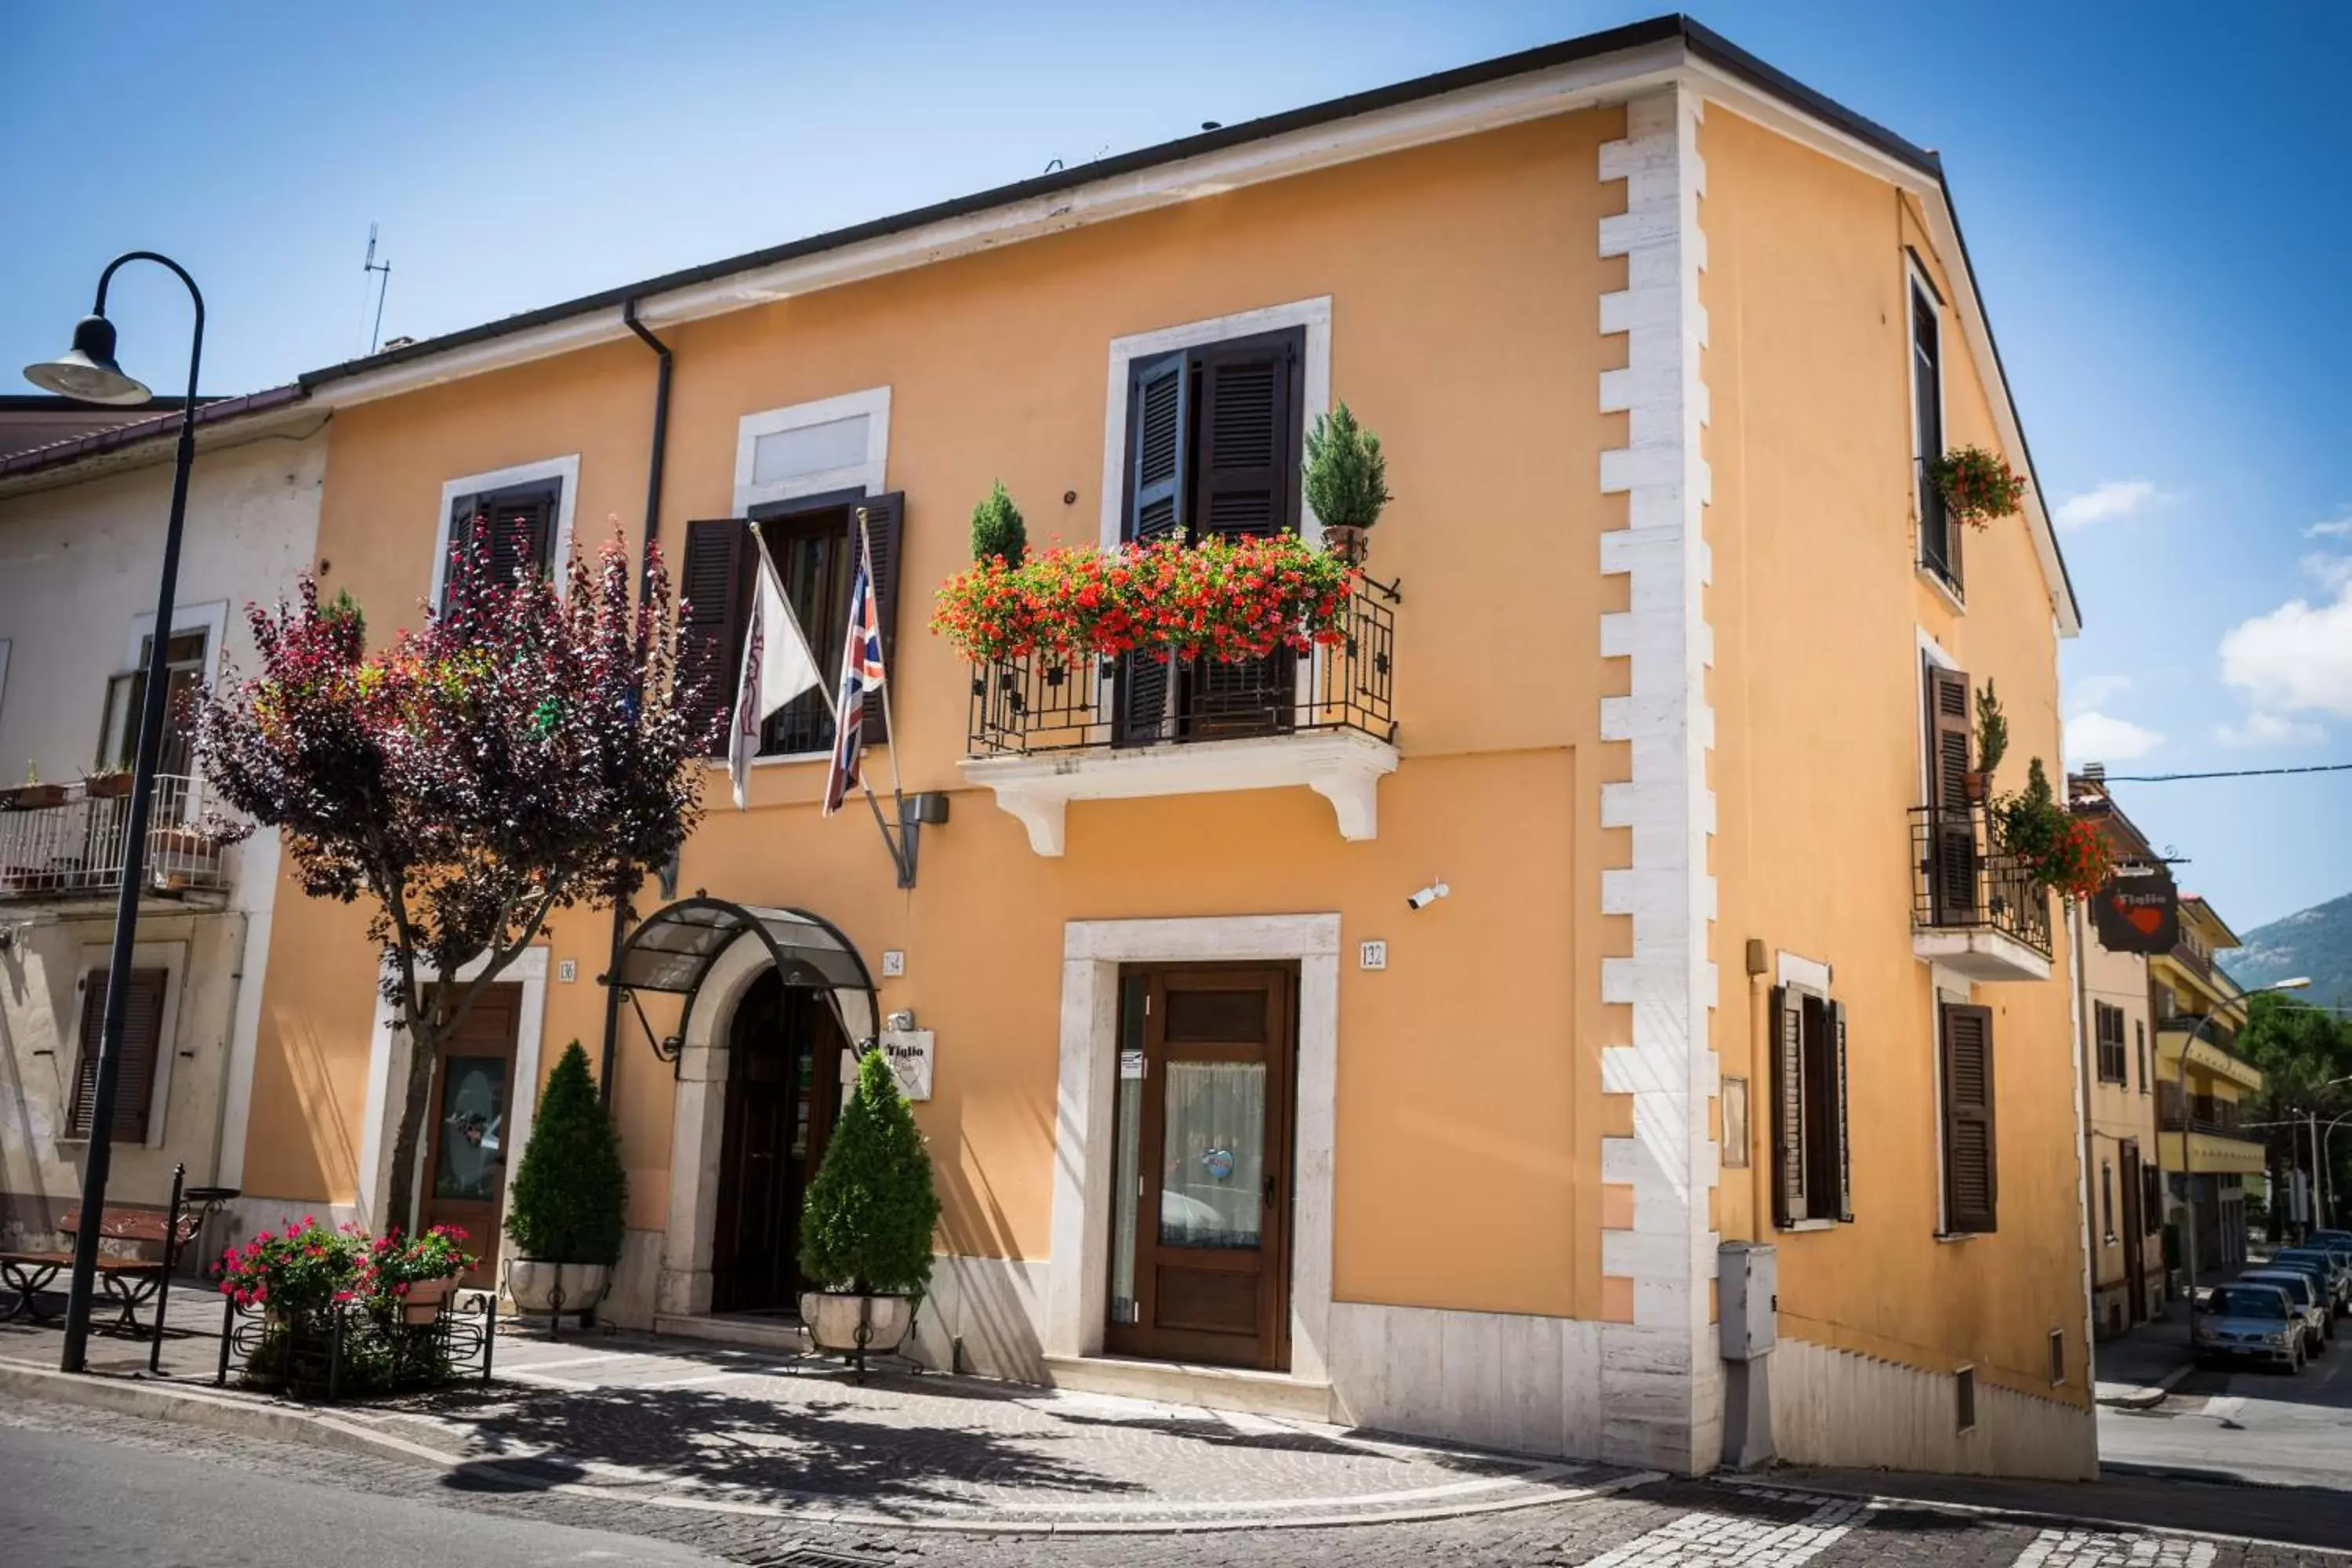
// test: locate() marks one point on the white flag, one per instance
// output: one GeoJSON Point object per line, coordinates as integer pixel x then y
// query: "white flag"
{"type": "Point", "coordinates": [777, 668]}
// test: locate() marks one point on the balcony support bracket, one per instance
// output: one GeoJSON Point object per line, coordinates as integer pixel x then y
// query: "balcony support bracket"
{"type": "Point", "coordinates": [1345, 768]}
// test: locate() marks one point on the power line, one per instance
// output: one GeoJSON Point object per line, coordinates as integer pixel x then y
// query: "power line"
{"type": "Point", "coordinates": [2230, 773]}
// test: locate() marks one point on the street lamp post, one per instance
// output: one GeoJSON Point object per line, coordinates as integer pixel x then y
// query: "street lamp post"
{"type": "Point", "coordinates": [2188, 1174]}
{"type": "Point", "coordinates": [88, 372]}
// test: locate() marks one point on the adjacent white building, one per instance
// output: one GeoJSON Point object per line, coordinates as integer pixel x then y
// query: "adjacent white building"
{"type": "Point", "coordinates": [82, 526]}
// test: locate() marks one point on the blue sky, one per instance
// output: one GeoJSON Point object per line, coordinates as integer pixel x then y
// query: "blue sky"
{"type": "Point", "coordinates": [2155, 198]}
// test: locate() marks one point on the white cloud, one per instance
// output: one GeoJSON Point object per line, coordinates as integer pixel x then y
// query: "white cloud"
{"type": "Point", "coordinates": [2296, 659]}
{"type": "Point", "coordinates": [2095, 737]}
{"type": "Point", "coordinates": [2330, 571]}
{"type": "Point", "coordinates": [2106, 502]}
{"type": "Point", "coordinates": [2096, 692]}
{"type": "Point", "coordinates": [2269, 730]}
{"type": "Point", "coordinates": [2336, 527]}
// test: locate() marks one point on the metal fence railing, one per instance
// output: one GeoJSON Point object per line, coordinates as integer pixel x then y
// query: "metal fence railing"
{"type": "Point", "coordinates": [77, 846]}
{"type": "Point", "coordinates": [1964, 878]}
{"type": "Point", "coordinates": [1041, 702]}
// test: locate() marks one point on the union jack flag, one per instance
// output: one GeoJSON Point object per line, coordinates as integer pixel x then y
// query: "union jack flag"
{"type": "Point", "coordinates": [861, 672]}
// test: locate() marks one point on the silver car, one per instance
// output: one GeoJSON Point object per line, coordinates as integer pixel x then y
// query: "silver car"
{"type": "Point", "coordinates": [2339, 1278]}
{"type": "Point", "coordinates": [2309, 1298]}
{"type": "Point", "coordinates": [2336, 1252]}
{"type": "Point", "coordinates": [2250, 1322]}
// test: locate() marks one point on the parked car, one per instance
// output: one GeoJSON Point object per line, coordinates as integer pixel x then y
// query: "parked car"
{"type": "Point", "coordinates": [2309, 1296]}
{"type": "Point", "coordinates": [2304, 1260]}
{"type": "Point", "coordinates": [2338, 1249]}
{"type": "Point", "coordinates": [2244, 1321]}
{"type": "Point", "coordinates": [2339, 1276]}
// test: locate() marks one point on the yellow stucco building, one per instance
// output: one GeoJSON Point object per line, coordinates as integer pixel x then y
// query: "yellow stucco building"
{"type": "Point", "coordinates": [2199, 1012]}
{"type": "Point", "coordinates": [1657, 342]}
{"type": "Point", "coordinates": [2115, 1026]}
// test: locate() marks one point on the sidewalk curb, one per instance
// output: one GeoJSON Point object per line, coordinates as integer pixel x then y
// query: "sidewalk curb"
{"type": "Point", "coordinates": [2145, 1396]}
{"type": "Point", "coordinates": [236, 1415]}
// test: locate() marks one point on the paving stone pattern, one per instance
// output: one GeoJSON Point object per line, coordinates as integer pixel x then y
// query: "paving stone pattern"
{"type": "Point", "coordinates": [1667, 1524]}
{"type": "Point", "coordinates": [673, 1426]}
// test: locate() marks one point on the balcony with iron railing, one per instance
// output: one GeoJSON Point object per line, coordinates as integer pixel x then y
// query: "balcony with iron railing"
{"type": "Point", "coordinates": [72, 849]}
{"type": "Point", "coordinates": [1975, 907]}
{"type": "Point", "coordinates": [1046, 729]}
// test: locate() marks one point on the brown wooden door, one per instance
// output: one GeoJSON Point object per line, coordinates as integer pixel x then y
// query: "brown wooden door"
{"type": "Point", "coordinates": [1201, 1221]}
{"type": "Point", "coordinates": [2134, 1235]}
{"type": "Point", "coordinates": [782, 1087]}
{"type": "Point", "coordinates": [471, 1138]}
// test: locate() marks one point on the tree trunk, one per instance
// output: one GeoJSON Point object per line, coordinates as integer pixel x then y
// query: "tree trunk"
{"type": "Point", "coordinates": [400, 1207]}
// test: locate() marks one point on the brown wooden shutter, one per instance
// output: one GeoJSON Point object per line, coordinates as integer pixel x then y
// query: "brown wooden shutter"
{"type": "Point", "coordinates": [714, 581]}
{"type": "Point", "coordinates": [519, 524]}
{"type": "Point", "coordinates": [134, 1077]}
{"type": "Point", "coordinates": [885, 524]}
{"type": "Point", "coordinates": [1159, 444]}
{"type": "Point", "coordinates": [1971, 1171]}
{"type": "Point", "coordinates": [1940, 541]}
{"type": "Point", "coordinates": [1787, 1106]}
{"type": "Point", "coordinates": [522, 531]}
{"type": "Point", "coordinates": [1952, 837]}
{"type": "Point", "coordinates": [1250, 392]}
{"type": "Point", "coordinates": [1836, 1011]}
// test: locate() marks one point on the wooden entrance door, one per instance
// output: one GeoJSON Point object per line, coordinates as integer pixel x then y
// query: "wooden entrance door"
{"type": "Point", "coordinates": [783, 1088]}
{"type": "Point", "coordinates": [470, 1139]}
{"type": "Point", "coordinates": [2134, 1236]}
{"type": "Point", "coordinates": [1200, 1211]}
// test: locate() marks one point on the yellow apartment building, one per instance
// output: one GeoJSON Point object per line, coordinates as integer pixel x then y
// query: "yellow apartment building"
{"type": "Point", "coordinates": [2198, 1011]}
{"type": "Point", "coordinates": [2128, 1205]}
{"type": "Point", "coordinates": [1656, 684]}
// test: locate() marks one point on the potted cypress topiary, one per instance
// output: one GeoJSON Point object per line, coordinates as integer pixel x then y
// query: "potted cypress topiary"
{"type": "Point", "coordinates": [997, 530]}
{"type": "Point", "coordinates": [1992, 744]}
{"type": "Point", "coordinates": [1347, 481]}
{"type": "Point", "coordinates": [570, 1194]}
{"type": "Point", "coordinates": [866, 1234]}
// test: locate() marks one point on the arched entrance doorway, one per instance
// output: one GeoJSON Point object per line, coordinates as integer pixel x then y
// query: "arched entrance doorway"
{"type": "Point", "coordinates": [782, 1094]}
{"type": "Point", "coordinates": [775, 1002]}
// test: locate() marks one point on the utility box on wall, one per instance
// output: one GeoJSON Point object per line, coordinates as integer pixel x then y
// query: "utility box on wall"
{"type": "Point", "coordinates": [1747, 1297]}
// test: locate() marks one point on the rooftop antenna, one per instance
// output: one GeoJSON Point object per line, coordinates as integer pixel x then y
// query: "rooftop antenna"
{"type": "Point", "coordinates": [375, 333]}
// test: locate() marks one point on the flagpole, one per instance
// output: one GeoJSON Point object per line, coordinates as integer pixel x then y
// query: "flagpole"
{"type": "Point", "coordinates": [890, 729]}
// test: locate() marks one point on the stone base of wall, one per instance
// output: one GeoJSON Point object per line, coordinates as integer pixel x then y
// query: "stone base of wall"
{"type": "Point", "coordinates": [1834, 1407]}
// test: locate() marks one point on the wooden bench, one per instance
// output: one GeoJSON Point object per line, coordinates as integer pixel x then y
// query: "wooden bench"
{"type": "Point", "coordinates": [129, 1280]}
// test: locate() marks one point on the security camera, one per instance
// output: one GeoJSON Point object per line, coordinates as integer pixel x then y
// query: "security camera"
{"type": "Point", "coordinates": [1428, 896]}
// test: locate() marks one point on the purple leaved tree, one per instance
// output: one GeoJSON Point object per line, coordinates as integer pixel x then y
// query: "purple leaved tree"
{"type": "Point", "coordinates": [529, 750]}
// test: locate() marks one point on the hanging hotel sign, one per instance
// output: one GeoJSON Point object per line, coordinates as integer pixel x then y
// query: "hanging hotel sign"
{"type": "Point", "coordinates": [2138, 910]}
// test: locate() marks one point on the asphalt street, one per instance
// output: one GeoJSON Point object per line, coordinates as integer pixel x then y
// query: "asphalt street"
{"type": "Point", "coordinates": [72, 1501]}
{"type": "Point", "coordinates": [2252, 1426]}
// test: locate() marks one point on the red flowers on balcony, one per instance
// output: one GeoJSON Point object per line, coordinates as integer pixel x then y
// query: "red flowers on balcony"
{"type": "Point", "coordinates": [1976, 486]}
{"type": "Point", "coordinates": [1226, 599]}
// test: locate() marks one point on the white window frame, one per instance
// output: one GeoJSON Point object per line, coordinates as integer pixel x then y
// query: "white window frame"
{"type": "Point", "coordinates": [1314, 315]}
{"type": "Point", "coordinates": [564, 470]}
{"type": "Point", "coordinates": [1916, 283]}
{"type": "Point", "coordinates": [172, 957]}
{"type": "Point", "coordinates": [210, 618]}
{"type": "Point", "coordinates": [873, 403]}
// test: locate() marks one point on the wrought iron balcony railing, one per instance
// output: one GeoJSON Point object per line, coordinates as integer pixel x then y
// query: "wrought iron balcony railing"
{"type": "Point", "coordinates": [1042, 703]}
{"type": "Point", "coordinates": [75, 848]}
{"type": "Point", "coordinates": [1964, 878]}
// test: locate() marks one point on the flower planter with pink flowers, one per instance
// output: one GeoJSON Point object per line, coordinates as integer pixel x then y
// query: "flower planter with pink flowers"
{"type": "Point", "coordinates": [315, 1313]}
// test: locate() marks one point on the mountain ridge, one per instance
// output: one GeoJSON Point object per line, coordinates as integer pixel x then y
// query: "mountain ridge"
{"type": "Point", "coordinates": [2316, 941]}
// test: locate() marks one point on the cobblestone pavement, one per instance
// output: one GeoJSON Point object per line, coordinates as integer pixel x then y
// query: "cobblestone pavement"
{"type": "Point", "coordinates": [1650, 1526]}
{"type": "Point", "coordinates": [673, 1425]}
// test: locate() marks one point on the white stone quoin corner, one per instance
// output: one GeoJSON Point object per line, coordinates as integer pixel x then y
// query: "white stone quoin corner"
{"type": "Point", "coordinates": [1343, 767]}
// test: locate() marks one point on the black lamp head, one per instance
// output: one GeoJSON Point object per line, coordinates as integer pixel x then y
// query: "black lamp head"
{"type": "Point", "coordinates": [87, 371]}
